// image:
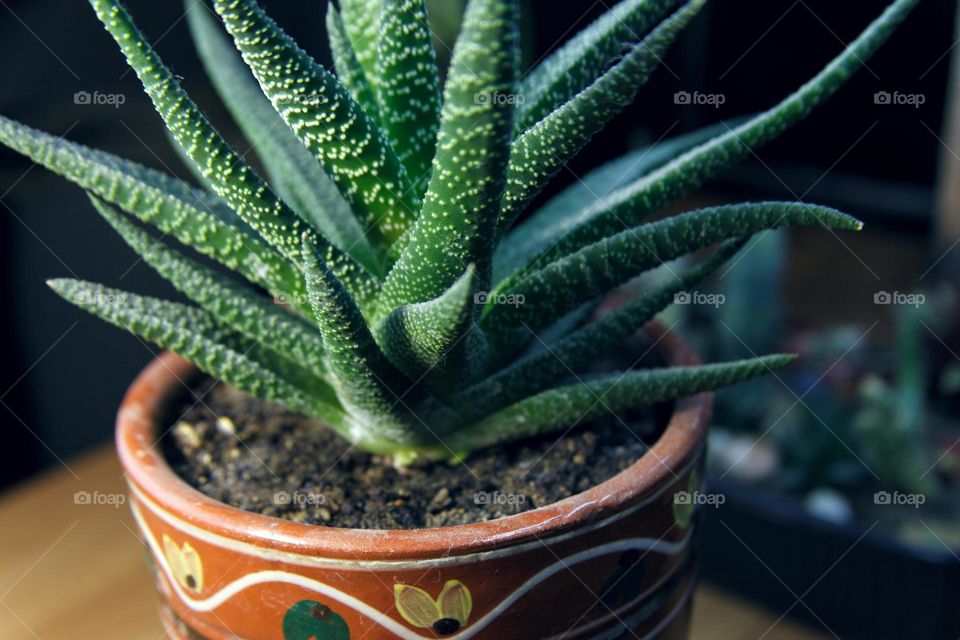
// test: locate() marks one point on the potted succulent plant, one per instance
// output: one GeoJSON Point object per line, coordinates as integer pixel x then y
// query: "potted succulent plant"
{"type": "Point", "coordinates": [413, 318]}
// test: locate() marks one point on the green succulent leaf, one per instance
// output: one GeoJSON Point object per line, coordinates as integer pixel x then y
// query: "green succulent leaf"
{"type": "Point", "coordinates": [349, 72]}
{"type": "Point", "coordinates": [572, 353]}
{"type": "Point", "coordinates": [369, 386]}
{"type": "Point", "coordinates": [460, 210]}
{"type": "Point", "coordinates": [327, 120]}
{"type": "Point", "coordinates": [230, 303]}
{"type": "Point", "coordinates": [543, 149]}
{"type": "Point", "coordinates": [579, 62]}
{"type": "Point", "coordinates": [568, 282]}
{"type": "Point", "coordinates": [171, 205]}
{"type": "Point", "coordinates": [235, 182]}
{"type": "Point", "coordinates": [195, 335]}
{"type": "Point", "coordinates": [408, 86]}
{"type": "Point", "coordinates": [361, 21]}
{"type": "Point", "coordinates": [292, 170]}
{"type": "Point", "coordinates": [438, 340]}
{"type": "Point", "coordinates": [606, 395]}
{"type": "Point", "coordinates": [629, 205]}
{"type": "Point", "coordinates": [545, 225]}
{"type": "Point", "coordinates": [218, 163]}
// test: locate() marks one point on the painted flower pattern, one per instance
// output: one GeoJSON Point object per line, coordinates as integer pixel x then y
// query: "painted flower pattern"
{"type": "Point", "coordinates": [185, 564]}
{"type": "Point", "coordinates": [446, 614]}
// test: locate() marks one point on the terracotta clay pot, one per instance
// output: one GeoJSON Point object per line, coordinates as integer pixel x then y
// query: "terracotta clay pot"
{"type": "Point", "coordinates": [594, 565]}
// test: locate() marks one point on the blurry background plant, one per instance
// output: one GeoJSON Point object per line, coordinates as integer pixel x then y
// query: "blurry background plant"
{"type": "Point", "coordinates": [868, 407]}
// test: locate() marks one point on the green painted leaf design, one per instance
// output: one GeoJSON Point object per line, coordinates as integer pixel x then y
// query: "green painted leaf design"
{"type": "Point", "coordinates": [568, 282]}
{"type": "Point", "coordinates": [408, 86]}
{"type": "Point", "coordinates": [460, 209]}
{"type": "Point", "coordinates": [311, 620]}
{"type": "Point", "coordinates": [543, 149]}
{"type": "Point", "coordinates": [606, 395]}
{"type": "Point", "coordinates": [328, 121]}
{"type": "Point", "coordinates": [683, 504]}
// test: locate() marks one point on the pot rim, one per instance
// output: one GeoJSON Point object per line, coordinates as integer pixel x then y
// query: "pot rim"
{"type": "Point", "coordinates": [153, 479]}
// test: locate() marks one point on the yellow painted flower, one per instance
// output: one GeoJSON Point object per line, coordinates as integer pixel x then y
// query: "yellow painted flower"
{"type": "Point", "coordinates": [185, 564]}
{"type": "Point", "coordinates": [445, 615]}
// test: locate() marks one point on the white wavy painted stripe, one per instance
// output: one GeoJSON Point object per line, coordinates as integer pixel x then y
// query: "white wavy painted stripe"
{"type": "Point", "coordinates": [340, 563]}
{"type": "Point", "coordinates": [275, 576]}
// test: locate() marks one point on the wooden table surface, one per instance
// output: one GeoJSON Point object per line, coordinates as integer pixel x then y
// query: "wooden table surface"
{"type": "Point", "coordinates": [73, 571]}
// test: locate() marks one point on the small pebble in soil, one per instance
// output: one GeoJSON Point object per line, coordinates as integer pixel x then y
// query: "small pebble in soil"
{"type": "Point", "coordinates": [225, 426]}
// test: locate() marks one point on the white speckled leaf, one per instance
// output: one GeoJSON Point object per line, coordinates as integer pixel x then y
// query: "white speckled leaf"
{"type": "Point", "coordinates": [361, 21]}
{"type": "Point", "coordinates": [545, 225]}
{"type": "Point", "coordinates": [349, 72]}
{"type": "Point", "coordinates": [631, 204]}
{"type": "Point", "coordinates": [408, 87]}
{"type": "Point", "coordinates": [230, 303]}
{"type": "Point", "coordinates": [195, 335]}
{"type": "Point", "coordinates": [438, 340]}
{"type": "Point", "coordinates": [543, 149]}
{"type": "Point", "coordinates": [158, 199]}
{"type": "Point", "coordinates": [606, 395]}
{"type": "Point", "coordinates": [575, 351]}
{"type": "Point", "coordinates": [292, 170]}
{"type": "Point", "coordinates": [462, 203]}
{"type": "Point", "coordinates": [568, 282]}
{"type": "Point", "coordinates": [235, 182]}
{"type": "Point", "coordinates": [369, 386]}
{"type": "Point", "coordinates": [328, 121]}
{"type": "Point", "coordinates": [583, 58]}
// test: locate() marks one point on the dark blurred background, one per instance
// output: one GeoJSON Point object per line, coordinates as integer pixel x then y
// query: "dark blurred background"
{"type": "Point", "coordinates": [63, 373]}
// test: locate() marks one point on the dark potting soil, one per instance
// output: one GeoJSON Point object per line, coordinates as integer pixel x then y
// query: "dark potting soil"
{"type": "Point", "coordinates": [262, 458]}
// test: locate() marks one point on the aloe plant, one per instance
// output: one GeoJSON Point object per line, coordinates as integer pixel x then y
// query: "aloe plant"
{"type": "Point", "coordinates": [388, 218]}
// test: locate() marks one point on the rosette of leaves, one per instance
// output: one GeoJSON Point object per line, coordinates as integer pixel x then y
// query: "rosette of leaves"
{"type": "Point", "coordinates": [387, 217]}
